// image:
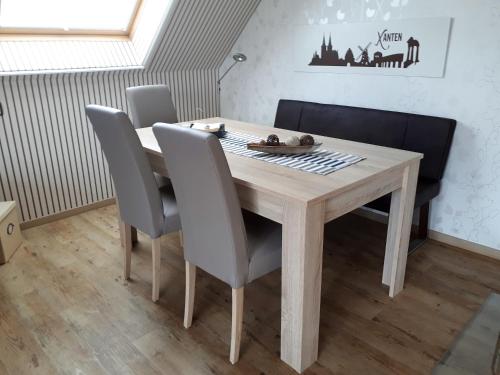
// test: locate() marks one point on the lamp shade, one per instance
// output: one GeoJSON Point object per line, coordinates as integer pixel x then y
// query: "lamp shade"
{"type": "Point", "coordinates": [239, 57]}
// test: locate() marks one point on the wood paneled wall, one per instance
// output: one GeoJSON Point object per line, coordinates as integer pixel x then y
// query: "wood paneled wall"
{"type": "Point", "coordinates": [50, 159]}
{"type": "Point", "coordinates": [25, 56]}
{"type": "Point", "coordinates": [201, 33]}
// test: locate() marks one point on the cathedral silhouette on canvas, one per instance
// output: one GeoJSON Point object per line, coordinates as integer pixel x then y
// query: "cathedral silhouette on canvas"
{"type": "Point", "coordinates": [331, 57]}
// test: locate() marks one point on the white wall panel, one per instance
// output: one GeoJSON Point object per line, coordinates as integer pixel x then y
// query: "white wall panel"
{"type": "Point", "coordinates": [468, 206]}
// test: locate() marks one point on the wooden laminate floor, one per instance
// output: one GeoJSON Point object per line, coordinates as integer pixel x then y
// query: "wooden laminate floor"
{"type": "Point", "coordinates": [65, 309]}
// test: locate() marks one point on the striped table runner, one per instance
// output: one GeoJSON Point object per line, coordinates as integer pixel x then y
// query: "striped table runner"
{"type": "Point", "coordinates": [321, 162]}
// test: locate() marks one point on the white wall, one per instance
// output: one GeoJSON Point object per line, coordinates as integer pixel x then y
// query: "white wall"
{"type": "Point", "coordinates": [469, 204]}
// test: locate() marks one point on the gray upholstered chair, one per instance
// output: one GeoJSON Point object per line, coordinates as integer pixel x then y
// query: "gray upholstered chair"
{"type": "Point", "coordinates": [148, 105]}
{"type": "Point", "coordinates": [151, 104]}
{"type": "Point", "coordinates": [142, 204]}
{"type": "Point", "coordinates": [218, 238]}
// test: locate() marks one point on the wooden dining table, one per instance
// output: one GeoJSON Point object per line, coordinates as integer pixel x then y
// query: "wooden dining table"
{"type": "Point", "coordinates": [303, 202]}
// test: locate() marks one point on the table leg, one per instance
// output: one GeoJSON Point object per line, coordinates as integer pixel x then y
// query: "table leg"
{"type": "Point", "coordinates": [398, 233]}
{"type": "Point", "coordinates": [303, 227]}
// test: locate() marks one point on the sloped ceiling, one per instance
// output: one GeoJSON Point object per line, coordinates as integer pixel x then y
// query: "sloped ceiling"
{"type": "Point", "coordinates": [198, 34]}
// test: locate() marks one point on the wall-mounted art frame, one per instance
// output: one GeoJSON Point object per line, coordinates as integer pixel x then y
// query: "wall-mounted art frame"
{"type": "Point", "coordinates": [411, 47]}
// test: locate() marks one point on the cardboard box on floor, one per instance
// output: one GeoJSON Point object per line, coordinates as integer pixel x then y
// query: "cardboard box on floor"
{"type": "Point", "coordinates": [10, 232]}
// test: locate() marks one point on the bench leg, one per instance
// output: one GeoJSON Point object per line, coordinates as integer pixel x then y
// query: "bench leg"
{"type": "Point", "coordinates": [423, 228]}
{"type": "Point", "coordinates": [423, 223]}
{"type": "Point", "coordinates": [134, 235]}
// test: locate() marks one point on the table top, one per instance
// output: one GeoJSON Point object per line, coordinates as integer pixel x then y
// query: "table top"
{"type": "Point", "coordinates": [296, 184]}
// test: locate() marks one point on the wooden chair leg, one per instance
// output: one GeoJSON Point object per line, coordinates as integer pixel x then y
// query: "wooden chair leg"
{"type": "Point", "coordinates": [190, 290]}
{"type": "Point", "coordinates": [125, 231]}
{"type": "Point", "coordinates": [156, 250]}
{"type": "Point", "coordinates": [236, 324]}
{"type": "Point", "coordinates": [120, 224]}
{"type": "Point", "coordinates": [122, 231]}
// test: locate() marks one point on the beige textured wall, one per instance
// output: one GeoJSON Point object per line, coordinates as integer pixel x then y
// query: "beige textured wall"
{"type": "Point", "coordinates": [469, 204]}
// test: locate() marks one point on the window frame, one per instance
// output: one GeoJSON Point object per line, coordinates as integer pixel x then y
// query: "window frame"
{"type": "Point", "coordinates": [58, 32]}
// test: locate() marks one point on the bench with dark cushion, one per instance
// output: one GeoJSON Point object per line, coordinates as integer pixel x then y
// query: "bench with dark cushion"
{"type": "Point", "coordinates": [428, 135]}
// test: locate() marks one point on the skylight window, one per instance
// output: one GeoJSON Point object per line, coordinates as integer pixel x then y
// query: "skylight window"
{"type": "Point", "coordinates": [68, 16]}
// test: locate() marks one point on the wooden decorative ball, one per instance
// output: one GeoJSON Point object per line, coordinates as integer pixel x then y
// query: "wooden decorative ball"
{"type": "Point", "coordinates": [307, 140]}
{"type": "Point", "coordinates": [273, 140]}
{"type": "Point", "coordinates": [293, 141]}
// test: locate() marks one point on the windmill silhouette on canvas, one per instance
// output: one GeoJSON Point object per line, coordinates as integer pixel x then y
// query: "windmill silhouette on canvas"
{"type": "Point", "coordinates": [331, 57]}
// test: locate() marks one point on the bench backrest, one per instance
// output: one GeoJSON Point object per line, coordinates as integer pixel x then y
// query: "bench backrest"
{"type": "Point", "coordinates": [428, 135]}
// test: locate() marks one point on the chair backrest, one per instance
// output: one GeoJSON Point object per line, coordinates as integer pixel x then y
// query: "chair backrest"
{"type": "Point", "coordinates": [136, 189]}
{"type": "Point", "coordinates": [151, 104]}
{"type": "Point", "coordinates": [212, 223]}
{"type": "Point", "coordinates": [428, 135]}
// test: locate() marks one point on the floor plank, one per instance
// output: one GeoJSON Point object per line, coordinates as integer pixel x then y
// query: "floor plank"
{"type": "Point", "coordinates": [65, 308]}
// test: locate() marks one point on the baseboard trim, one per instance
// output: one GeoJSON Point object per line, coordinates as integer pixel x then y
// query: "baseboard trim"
{"type": "Point", "coordinates": [464, 244]}
{"type": "Point", "coordinates": [377, 216]}
{"type": "Point", "coordinates": [370, 214]}
{"type": "Point", "coordinates": [438, 236]}
{"type": "Point", "coordinates": [65, 214]}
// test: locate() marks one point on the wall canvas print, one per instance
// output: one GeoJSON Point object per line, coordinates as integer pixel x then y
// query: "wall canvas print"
{"type": "Point", "coordinates": [412, 47]}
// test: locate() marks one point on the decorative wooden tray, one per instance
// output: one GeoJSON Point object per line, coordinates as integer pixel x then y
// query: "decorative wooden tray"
{"type": "Point", "coordinates": [282, 149]}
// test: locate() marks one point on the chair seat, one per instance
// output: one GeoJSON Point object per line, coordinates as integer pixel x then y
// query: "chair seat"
{"type": "Point", "coordinates": [264, 245]}
{"type": "Point", "coordinates": [170, 211]}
